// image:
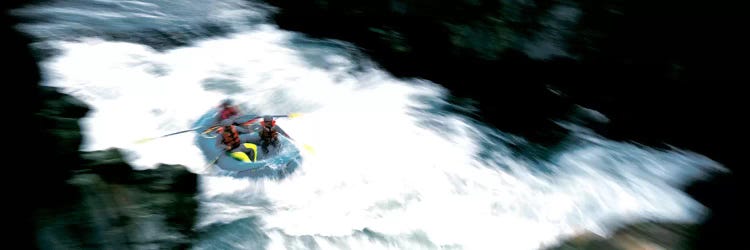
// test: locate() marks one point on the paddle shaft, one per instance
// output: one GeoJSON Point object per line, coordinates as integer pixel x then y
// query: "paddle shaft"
{"type": "Point", "coordinates": [212, 127]}
{"type": "Point", "coordinates": [180, 132]}
{"type": "Point", "coordinates": [211, 163]}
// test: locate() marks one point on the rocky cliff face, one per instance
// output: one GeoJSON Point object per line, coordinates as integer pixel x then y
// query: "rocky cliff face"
{"type": "Point", "coordinates": [96, 200]}
{"type": "Point", "coordinates": [115, 207]}
{"type": "Point", "coordinates": [62, 198]}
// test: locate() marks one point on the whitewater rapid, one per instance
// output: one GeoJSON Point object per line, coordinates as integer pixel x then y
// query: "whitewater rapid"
{"type": "Point", "coordinates": [392, 168]}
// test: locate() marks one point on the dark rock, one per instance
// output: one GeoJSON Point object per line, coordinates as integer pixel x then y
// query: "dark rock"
{"type": "Point", "coordinates": [22, 73]}
{"type": "Point", "coordinates": [51, 147]}
{"type": "Point", "coordinates": [177, 187]}
{"type": "Point", "coordinates": [68, 199]}
{"type": "Point", "coordinates": [118, 207]}
{"type": "Point", "coordinates": [646, 235]}
{"type": "Point", "coordinates": [61, 105]}
{"type": "Point", "coordinates": [108, 165]}
{"type": "Point", "coordinates": [173, 178]}
{"type": "Point", "coordinates": [722, 195]}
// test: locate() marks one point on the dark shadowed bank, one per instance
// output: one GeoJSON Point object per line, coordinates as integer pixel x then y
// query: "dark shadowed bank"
{"type": "Point", "coordinates": [61, 198]}
{"type": "Point", "coordinates": [663, 73]}
{"type": "Point", "coordinates": [645, 235]}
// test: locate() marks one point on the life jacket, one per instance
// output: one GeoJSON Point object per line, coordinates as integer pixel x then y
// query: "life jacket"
{"type": "Point", "coordinates": [228, 112]}
{"type": "Point", "coordinates": [232, 138]}
{"type": "Point", "coordinates": [269, 133]}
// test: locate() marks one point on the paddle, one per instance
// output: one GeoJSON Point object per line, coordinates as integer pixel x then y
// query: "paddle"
{"type": "Point", "coordinates": [252, 120]}
{"type": "Point", "coordinates": [292, 116]}
{"type": "Point", "coordinates": [306, 146]}
{"type": "Point", "coordinates": [175, 133]}
{"type": "Point", "coordinates": [211, 163]}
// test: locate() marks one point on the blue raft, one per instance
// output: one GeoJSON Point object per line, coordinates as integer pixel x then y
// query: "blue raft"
{"type": "Point", "coordinates": [279, 162]}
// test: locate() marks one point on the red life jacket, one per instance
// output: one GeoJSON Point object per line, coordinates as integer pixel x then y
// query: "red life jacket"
{"type": "Point", "coordinates": [269, 133]}
{"type": "Point", "coordinates": [232, 138]}
{"type": "Point", "coordinates": [228, 112]}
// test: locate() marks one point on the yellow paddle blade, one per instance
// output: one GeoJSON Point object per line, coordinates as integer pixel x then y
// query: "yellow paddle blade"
{"type": "Point", "coordinates": [144, 140]}
{"type": "Point", "coordinates": [295, 115]}
{"type": "Point", "coordinates": [209, 130]}
{"type": "Point", "coordinates": [309, 148]}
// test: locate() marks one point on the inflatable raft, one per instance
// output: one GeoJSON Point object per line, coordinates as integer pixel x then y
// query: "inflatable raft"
{"type": "Point", "coordinates": [278, 162]}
